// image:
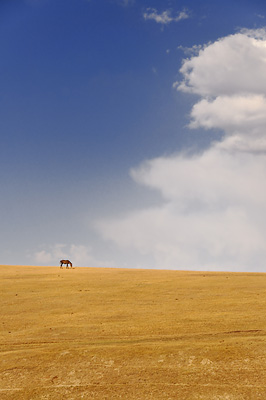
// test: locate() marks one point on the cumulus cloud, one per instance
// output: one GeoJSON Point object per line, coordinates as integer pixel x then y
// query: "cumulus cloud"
{"type": "Point", "coordinates": [242, 118]}
{"type": "Point", "coordinates": [126, 3]}
{"type": "Point", "coordinates": [43, 257]}
{"type": "Point", "coordinates": [230, 113]}
{"type": "Point", "coordinates": [231, 65]}
{"type": "Point", "coordinates": [229, 75]}
{"type": "Point", "coordinates": [212, 215]}
{"type": "Point", "coordinates": [165, 17]}
{"type": "Point", "coordinates": [213, 210]}
{"type": "Point", "coordinates": [80, 256]}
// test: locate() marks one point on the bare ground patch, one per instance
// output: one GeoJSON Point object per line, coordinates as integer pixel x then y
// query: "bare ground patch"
{"type": "Point", "coordinates": [123, 334]}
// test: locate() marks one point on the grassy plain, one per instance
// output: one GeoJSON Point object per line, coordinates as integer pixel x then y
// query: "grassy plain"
{"type": "Point", "coordinates": [97, 333]}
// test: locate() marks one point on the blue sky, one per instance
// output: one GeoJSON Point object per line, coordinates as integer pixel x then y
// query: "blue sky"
{"type": "Point", "coordinates": [117, 120]}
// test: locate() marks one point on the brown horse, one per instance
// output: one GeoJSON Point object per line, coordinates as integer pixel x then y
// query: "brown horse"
{"type": "Point", "coordinates": [65, 262]}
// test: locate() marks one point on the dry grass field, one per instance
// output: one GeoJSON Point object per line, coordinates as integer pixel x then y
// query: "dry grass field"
{"type": "Point", "coordinates": [92, 333]}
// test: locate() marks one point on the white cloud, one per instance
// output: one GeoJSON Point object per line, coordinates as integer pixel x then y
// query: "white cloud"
{"type": "Point", "coordinates": [215, 178]}
{"type": "Point", "coordinates": [241, 117]}
{"type": "Point", "coordinates": [126, 3]}
{"type": "Point", "coordinates": [230, 113]}
{"type": "Point", "coordinates": [229, 75]}
{"type": "Point", "coordinates": [165, 17]}
{"type": "Point", "coordinates": [212, 215]}
{"type": "Point", "coordinates": [43, 257]}
{"type": "Point", "coordinates": [234, 64]}
{"type": "Point", "coordinates": [213, 211]}
{"type": "Point", "coordinates": [190, 51]}
{"type": "Point", "coordinates": [80, 256]}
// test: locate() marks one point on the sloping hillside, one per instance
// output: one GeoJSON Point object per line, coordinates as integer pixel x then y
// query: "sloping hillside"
{"type": "Point", "coordinates": [92, 333]}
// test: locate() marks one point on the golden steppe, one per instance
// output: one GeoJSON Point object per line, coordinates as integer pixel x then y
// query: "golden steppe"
{"type": "Point", "coordinates": [103, 333]}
